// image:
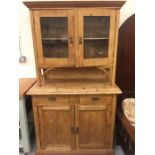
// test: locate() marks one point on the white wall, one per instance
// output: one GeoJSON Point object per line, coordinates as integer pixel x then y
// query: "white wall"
{"type": "Point", "coordinates": [28, 69]}
{"type": "Point", "coordinates": [127, 10]}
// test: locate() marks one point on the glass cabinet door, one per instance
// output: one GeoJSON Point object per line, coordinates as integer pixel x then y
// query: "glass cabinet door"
{"type": "Point", "coordinates": [96, 34]}
{"type": "Point", "coordinates": [55, 37]}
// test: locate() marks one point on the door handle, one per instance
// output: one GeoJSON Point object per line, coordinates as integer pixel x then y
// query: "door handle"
{"type": "Point", "coordinates": [80, 40]}
{"type": "Point", "coordinates": [75, 130]}
{"type": "Point", "coordinates": [71, 40]}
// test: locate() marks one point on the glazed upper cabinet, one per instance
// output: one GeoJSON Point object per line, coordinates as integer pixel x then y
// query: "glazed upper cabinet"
{"type": "Point", "coordinates": [96, 31]}
{"type": "Point", "coordinates": [74, 37]}
{"type": "Point", "coordinates": [55, 37]}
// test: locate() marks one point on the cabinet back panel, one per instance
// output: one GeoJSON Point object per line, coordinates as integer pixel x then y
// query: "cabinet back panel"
{"type": "Point", "coordinates": [79, 73]}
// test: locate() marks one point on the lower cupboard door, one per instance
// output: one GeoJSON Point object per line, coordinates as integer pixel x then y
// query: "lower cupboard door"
{"type": "Point", "coordinates": [55, 123]}
{"type": "Point", "coordinates": [91, 122]}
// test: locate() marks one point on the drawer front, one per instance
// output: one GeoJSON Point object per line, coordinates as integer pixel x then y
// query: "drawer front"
{"type": "Point", "coordinates": [52, 99]}
{"type": "Point", "coordinates": [96, 99]}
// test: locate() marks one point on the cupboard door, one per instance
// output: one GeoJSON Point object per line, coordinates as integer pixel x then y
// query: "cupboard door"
{"type": "Point", "coordinates": [91, 121]}
{"type": "Point", "coordinates": [54, 31]}
{"type": "Point", "coordinates": [56, 122]}
{"type": "Point", "coordinates": [96, 36]}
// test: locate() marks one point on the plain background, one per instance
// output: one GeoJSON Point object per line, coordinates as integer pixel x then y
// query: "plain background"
{"type": "Point", "coordinates": [145, 77]}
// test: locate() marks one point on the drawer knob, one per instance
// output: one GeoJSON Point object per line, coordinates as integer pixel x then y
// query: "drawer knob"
{"type": "Point", "coordinates": [52, 98]}
{"type": "Point", "coordinates": [95, 98]}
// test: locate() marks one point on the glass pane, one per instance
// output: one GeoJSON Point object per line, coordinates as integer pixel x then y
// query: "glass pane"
{"type": "Point", "coordinates": [55, 48]}
{"type": "Point", "coordinates": [54, 31]}
{"type": "Point", "coordinates": [96, 36]}
{"type": "Point", "coordinates": [95, 48]}
{"type": "Point", "coordinates": [96, 26]}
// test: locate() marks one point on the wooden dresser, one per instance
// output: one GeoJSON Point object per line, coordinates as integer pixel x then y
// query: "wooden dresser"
{"type": "Point", "coordinates": [74, 100]}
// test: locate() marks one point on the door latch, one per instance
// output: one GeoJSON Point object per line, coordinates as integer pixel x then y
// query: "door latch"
{"type": "Point", "coordinates": [75, 130]}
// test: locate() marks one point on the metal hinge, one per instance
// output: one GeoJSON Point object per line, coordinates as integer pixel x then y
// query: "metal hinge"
{"type": "Point", "coordinates": [75, 130]}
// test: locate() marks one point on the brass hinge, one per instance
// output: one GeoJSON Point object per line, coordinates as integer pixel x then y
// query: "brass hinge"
{"type": "Point", "coordinates": [75, 130]}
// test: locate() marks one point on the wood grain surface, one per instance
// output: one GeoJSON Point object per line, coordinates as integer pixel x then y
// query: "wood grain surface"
{"type": "Point", "coordinates": [75, 3]}
{"type": "Point", "coordinates": [72, 87]}
{"type": "Point", "coordinates": [24, 85]}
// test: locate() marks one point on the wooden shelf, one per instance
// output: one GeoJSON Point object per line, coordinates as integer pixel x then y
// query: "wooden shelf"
{"type": "Point", "coordinates": [54, 38]}
{"type": "Point", "coordinates": [96, 38]}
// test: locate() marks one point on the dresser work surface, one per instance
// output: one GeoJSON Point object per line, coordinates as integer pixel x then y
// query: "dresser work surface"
{"type": "Point", "coordinates": [73, 88]}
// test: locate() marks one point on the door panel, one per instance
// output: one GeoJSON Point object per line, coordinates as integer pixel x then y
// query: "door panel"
{"type": "Point", "coordinates": [55, 37]}
{"type": "Point", "coordinates": [92, 123]}
{"type": "Point", "coordinates": [96, 36]}
{"type": "Point", "coordinates": [56, 122]}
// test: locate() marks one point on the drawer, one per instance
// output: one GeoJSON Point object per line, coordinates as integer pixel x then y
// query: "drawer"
{"type": "Point", "coordinates": [96, 99]}
{"type": "Point", "coordinates": [52, 99]}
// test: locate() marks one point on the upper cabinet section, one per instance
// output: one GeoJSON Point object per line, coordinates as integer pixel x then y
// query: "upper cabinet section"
{"type": "Point", "coordinates": [74, 33]}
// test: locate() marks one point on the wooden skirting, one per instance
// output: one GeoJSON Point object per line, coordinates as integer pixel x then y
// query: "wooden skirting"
{"type": "Point", "coordinates": [97, 152]}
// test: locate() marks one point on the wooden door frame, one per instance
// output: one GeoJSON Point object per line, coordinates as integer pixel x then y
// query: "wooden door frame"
{"type": "Point", "coordinates": [87, 107]}
{"type": "Point", "coordinates": [58, 107]}
{"type": "Point", "coordinates": [55, 62]}
{"type": "Point", "coordinates": [96, 12]}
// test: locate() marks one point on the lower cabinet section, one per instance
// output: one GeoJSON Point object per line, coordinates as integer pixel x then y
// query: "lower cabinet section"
{"type": "Point", "coordinates": [74, 127]}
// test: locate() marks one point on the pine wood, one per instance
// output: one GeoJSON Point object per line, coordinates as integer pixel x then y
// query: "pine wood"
{"type": "Point", "coordinates": [53, 122]}
{"type": "Point", "coordinates": [38, 70]}
{"type": "Point", "coordinates": [52, 99]}
{"type": "Point", "coordinates": [72, 14]}
{"type": "Point", "coordinates": [36, 121]}
{"type": "Point", "coordinates": [74, 101]}
{"type": "Point", "coordinates": [91, 120]}
{"type": "Point", "coordinates": [76, 3]}
{"type": "Point", "coordinates": [115, 47]}
{"type": "Point", "coordinates": [58, 62]}
{"type": "Point", "coordinates": [96, 12]}
{"type": "Point", "coordinates": [95, 74]}
{"type": "Point", "coordinates": [95, 99]}
{"type": "Point", "coordinates": [75, 13]}
{"type": "Point", "coordinates": [60, 87]}
{"type": "Point", "coordinates": [55, 131]}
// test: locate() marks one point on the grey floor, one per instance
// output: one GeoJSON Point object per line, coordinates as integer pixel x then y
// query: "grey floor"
{"type": "Point", "coordinates": [118, 150]}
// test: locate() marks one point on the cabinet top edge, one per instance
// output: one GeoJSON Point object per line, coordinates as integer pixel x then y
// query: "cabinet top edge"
{"type": "Point", "coordinates": [77, 3]}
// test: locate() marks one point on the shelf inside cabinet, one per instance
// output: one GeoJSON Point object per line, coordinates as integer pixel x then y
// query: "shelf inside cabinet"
{"type": "Point", "coordinates": [96, 48]}
{"type": "Point", "coordinates": [54, 38]}
{"type": "Point", "coordinates": [55, 48]}
{"type": "Point", "coordinates": [105, 38]}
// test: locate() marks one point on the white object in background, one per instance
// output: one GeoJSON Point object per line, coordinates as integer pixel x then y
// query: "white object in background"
{"type": "Point", "coordinates": [25, 140]}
